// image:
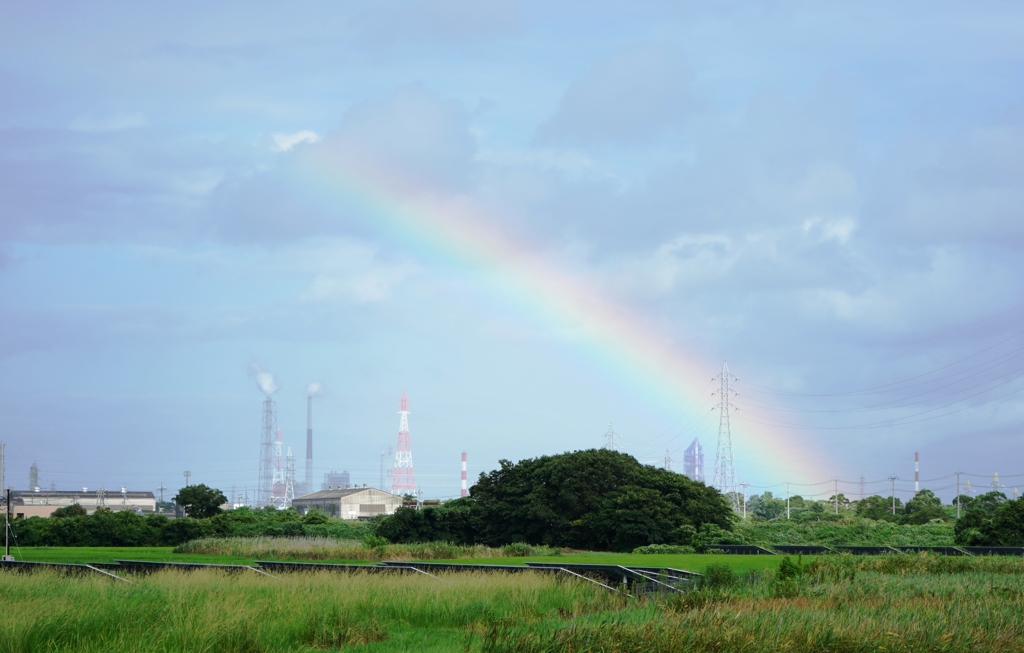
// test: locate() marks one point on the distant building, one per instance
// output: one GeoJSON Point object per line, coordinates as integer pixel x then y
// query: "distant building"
{"type": "Point", "coordinates": [334, 479]}
{"type": "Point", "coordinates": [350, 502]}
{"type": "Point", "coordinates": [42, 503]}
{"type": "Point", "coordinates": [693, 461]}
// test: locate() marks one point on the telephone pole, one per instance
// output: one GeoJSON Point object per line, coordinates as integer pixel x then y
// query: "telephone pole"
{"type": "Point", "coordinates": [187, 475]}
{"type": "Point", "coordinates": [893, 479]}
{"type": "Point", "coordinates": [958, 494]}
{"type": "Point", "coordinates": [836, 495]}
{"type": "Point", "coordinates": [744, 486]}
{"type": "Point", "coordinates": [787, 500]}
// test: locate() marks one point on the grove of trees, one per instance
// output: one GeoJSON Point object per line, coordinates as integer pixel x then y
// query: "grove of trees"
{"type": "Point", "coordinates": [596, 499]}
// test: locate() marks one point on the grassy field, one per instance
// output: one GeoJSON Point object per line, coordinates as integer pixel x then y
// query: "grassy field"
{"type": "Point", "coordinates": [687, 561]}
{"type": "Point", "coordinates": [837, 604]}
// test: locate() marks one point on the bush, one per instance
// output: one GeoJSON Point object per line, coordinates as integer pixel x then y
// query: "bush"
{"type": "Point", "coordinates": [719, 576]}
{"type": "Point", "coordinates": [711, 534]}
{"type": "Point", "coordinates": [516, 550]}
{"type": "Point", "coordinates": [663, 548]}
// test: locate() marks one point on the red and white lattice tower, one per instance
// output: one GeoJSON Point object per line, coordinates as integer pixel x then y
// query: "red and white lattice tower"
{"type": "Point", "coordinates": [465, 492]}
{"type": "Point", "coordinates": [402, 479]}
{"type": "Point", "coordinates": [279, 489]}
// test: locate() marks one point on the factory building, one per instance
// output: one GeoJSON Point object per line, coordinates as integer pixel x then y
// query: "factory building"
{"type": "Point", "coordinates": [349, 502]}
{"type": "Point", "coordinates": [42, 503]}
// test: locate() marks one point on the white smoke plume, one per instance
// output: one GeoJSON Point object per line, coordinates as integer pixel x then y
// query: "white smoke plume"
{"type": "Point", "coordinates": [315, 389]}
{"type": "Point", "coordinates": [264, 380]}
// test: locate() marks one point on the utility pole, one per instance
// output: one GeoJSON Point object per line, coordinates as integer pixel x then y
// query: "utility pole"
{"type": "Point", "coordinates": [161, 491]}
{"type": "Point", "coordinates": [958, 494]}
{"type": "Point", "coordinates": [836, 495]}
{"type": "Point", "coordinates": [787, 500]}
{"type": "Point", "coordinates": [7, 530]}
{"type": "Point", "coordinates": [187, 475]}
{"type": "Point", "coordinates": [744, 486]}
{"type": "Point", "coordinates": [893, 479]}
{"type": "Point", "coordinates": [668, 460]}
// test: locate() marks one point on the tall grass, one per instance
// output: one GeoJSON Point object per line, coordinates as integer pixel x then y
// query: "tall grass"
{"type": "Point", "coordinates": [838, 605]}
{"type": "Point", "coordinates": [322, 548]}
{"type": "Point", "coordinates": [208, 611]}
{"type": "Point", "coordinates": [835, 604]}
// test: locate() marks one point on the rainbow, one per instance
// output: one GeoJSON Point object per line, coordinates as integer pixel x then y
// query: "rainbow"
{"type": "Point", "coordinates": [635, 354]}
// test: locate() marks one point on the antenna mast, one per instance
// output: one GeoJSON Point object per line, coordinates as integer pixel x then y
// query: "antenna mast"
{"type": "Point", "coordinates": [277, 495]}
{"type": "Point", "coordinates": [289, 480]}
{"type": "Point", "coordinates": [725, 469]}
{"type": "Point", "coordinates": [402, 479]}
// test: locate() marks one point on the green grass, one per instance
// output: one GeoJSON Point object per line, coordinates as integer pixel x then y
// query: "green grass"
{"type": "Point", "coordinates": [686, 561]}
{"type": "Point", "coordinates": [834, 604]}
{"type": "Point", "coordinates": [210, 611]}
{"type": "Point", "coordinates": [85, 554]}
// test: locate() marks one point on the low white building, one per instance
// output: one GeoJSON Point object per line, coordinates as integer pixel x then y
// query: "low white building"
{"type": "Point", "coordinates": [350, 502]}
{"type": "Point", "coordinates": [41, 503]}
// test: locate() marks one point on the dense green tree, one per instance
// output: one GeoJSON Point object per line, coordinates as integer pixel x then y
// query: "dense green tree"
{"type": "Point", "coordinates": [594, 499]}
{"type": "Point", "coordinates": [1006, 528]}
{"type": "Point", "coordinates": [964, 501]}
{"type": "Point", "coordinates": [74, 510]}
{"type": "Point", "coordinates": [878, 508]}
{"type": "Point", "coordinates": [448, 522]}
{"type": "Point", "coordinates": [199, 501]}
{"type": "Point", "coordinates": [766, 506]}
{"type": "Point", "coordinates": [842, 502]}
{"type": "Point", "coordinates": [977, 528]}
{"type": "Point", "coordinates": [923, 508]}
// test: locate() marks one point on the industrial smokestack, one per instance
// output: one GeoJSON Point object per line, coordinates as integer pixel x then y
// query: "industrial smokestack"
{"type": "Point", "coordinates": [464, 491]}
{"type": "Point", "coordinates": [312, 390]}
{"type": "Point", "coordinates": [917, 475]}
{"type": "Point", "coordinates": [309, 443]}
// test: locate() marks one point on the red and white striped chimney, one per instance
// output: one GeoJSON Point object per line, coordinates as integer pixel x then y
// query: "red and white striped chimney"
{"type": "Point", "coordinates": [917, 476]}
{"type": "Point", "coordinates": [464, 491]}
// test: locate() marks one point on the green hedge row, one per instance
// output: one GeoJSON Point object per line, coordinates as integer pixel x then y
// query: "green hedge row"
{"type": "Point", "coordinates": [107, 528]}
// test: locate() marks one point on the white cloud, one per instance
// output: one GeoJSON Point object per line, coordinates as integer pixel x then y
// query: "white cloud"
{"type": "Point", "coordinates": [285, 142]}
{"type": "Point", "coordinates": [838, 229]}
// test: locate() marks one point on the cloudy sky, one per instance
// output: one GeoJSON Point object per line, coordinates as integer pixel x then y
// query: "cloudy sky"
{"type": "Point", "coordinates": [534, 219]}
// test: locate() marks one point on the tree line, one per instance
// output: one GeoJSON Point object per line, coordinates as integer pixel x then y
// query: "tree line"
{"type": "Point", "coordinates": [71, 526]}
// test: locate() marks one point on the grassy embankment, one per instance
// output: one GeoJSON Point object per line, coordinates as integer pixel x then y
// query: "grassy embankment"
{"type": "Point", "coordinates": [247, 550]}
{"type": "Point", "coordinates": [838, 604]}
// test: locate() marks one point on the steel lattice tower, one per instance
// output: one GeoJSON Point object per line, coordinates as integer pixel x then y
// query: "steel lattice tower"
{"type": "Point", "coordinates": [289, 480]}
{"type": "Point", "coordinates": [609, 438]}
{"type": "Point", "coordinates": [725, 470]}
{"type": "Point", "coordinates": [278, 495]}
{"type": "Point", "coordinates": [266, 482]}
{"type": "Point", "coordinates": [402, 479]}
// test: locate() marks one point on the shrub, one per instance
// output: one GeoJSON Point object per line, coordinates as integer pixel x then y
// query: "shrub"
{"type": "Point", "coordinates": [663, 548]}
{"type": "Point", "coordinates": [516, 550]}
{"type": "Point", "coordinates": [719, 575]}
